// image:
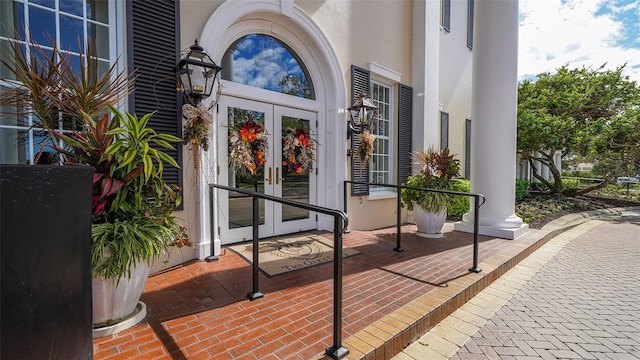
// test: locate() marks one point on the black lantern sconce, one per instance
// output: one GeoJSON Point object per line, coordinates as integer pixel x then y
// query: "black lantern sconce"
{"type": "Point", "coordinates": [197, 74]}
{"type": "Point", "coordinates": [362, 112]}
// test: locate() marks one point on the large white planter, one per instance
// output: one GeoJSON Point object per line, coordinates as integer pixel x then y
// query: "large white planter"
{"type": "Point", "coordinates": [113, 304]}
{"type": "Point", "coordinates": [429, 223]}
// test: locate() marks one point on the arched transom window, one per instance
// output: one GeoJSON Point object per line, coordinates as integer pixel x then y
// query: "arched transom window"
{"type": "Point", "coordinates": [265, 62]}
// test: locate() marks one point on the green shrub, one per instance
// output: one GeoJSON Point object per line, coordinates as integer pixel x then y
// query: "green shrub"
{"type": "Point", "coordinates": [580, 174]}
{"type": "Point", "coordinates": [522, 189]}
{"type": "Point", "coordinates": [538, 186]}
{"type": "Point", "coordinates": [459, 204]}
{"type": "Point", "coordinates": [570, 184]}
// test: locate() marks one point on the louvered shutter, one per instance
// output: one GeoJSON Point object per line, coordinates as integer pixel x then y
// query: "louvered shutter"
{"type": "Point", "coordinates": [467, 149]}
{"type": "Point", "coordinates": [470, 24]}
{"type": "Point", "coordinates": [444, 129]}
{"type": "Point", "coordinates": [446, 15]}
{"type": "Point", "coordinates": [405, 124]}
{"type": "Point", "coordinates": [153, 38]}
{"type": "Point", "coordinates": [360, 82]}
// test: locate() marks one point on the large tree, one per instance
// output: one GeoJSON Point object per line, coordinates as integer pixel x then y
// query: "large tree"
{"type": "Point", "coordinates": [579, 112]}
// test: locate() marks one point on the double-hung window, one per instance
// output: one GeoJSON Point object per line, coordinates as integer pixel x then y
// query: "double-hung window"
{"type": "Point", "coordinates": [381, 162]}
{"type": "Point", "coordinates": [71, 25]}
{"type": "Point", "coordinates": [394, 120]}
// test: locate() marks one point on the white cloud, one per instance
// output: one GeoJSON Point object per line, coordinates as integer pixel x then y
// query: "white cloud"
{"type": "Point", "coordinates": [554, 33]}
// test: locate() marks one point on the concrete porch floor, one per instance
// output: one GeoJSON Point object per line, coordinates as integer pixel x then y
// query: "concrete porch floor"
{"type": "Point", "coordinates": [200, 310]}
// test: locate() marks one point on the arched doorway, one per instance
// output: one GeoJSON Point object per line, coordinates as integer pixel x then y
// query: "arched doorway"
{"type": "Point", "coordinates": [260, 150]}
{"type": "Point", "coordinates": [324, 116]}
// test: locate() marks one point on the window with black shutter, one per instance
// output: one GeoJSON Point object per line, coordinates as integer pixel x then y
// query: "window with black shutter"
{"type": "Point", "coordinates": [360, 82]}
{"type": "Point", "coordinates": [405, 119]}
{"type": "Point", "coordinates": [153, 40]}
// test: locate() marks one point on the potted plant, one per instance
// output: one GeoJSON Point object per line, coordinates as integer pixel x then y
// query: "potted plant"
{"type": "Point", "coordinates": [132, 221]}
{"type": "Point", "coordinates": [132, 212]}
{"type": "Point", "coordinates": [435, 170]}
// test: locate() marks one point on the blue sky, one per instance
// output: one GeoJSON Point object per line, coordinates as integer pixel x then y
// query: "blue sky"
{"type": "Point", "coordinates": [579, 33]}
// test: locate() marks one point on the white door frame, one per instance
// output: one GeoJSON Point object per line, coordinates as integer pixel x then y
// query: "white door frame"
{"type": "Point", "coordinates": [232, 20]}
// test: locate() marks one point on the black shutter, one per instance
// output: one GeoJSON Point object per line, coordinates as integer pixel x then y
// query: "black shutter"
{"type": "Point", "coordinates": [470, 24]}
{"type": "Point", "coordinates": [405, 125]}
{"type": "Point", "coordinates": [467, 149]}
{"type": "Point", "coordinates": [446, 15]}
{"type": "Point", "coordinates": [444, 130]}
{"type": "Point", "coordinates": [360, 80]}
{"type": "Point", "coordinates": [153, 38]}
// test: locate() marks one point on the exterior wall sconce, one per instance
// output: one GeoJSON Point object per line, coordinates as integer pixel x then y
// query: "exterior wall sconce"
{"type": "Point", "coordinates": [197, 73]}
{"type": "Point", "coordinates": [362, 113]}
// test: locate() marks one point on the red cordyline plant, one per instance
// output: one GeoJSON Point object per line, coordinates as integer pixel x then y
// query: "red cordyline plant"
{"type": "Point", "coordinates": [438, 166]}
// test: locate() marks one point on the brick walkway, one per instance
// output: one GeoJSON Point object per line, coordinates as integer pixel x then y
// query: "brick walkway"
{"type": "Point", "coordinates": [575, 298]}
{"type": "Point", "coordinates": [200, 310]}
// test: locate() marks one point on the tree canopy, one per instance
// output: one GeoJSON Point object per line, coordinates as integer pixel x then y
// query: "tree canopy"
{"type": "Point", "coordinates": [580, 112]}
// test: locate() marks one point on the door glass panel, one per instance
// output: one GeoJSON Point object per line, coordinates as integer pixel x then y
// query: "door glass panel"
{"type": "Point", "coordinates": [240, 205]}
{"type": "Point", "coordinates": [297, 163]}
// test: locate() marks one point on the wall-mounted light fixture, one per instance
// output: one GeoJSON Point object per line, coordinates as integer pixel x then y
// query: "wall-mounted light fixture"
{"type": "Point", "coordinates": [197, 73]}
{"type": "Point", "coordinates": [362, 112]}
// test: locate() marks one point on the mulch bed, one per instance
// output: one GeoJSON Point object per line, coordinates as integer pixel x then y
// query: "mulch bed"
{"type": "Point", "coordinates": [582, 203]}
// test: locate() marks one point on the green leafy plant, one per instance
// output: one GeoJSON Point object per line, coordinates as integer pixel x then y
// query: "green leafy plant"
{"type": "Point", "coordinates": [522, 189]}
{"type": "Point", "coordinates": [132, 205]}
{"type": "Point", "coordinates": [436, 170]}
{"type": "Point", "coordinates": [459, 204]}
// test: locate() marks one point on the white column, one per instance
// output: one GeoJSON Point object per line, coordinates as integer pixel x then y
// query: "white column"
{"type": "Point", "coordinates": [494, 111]}
{"type": "Point", "coordinates": [426, 73]}
{"type": "Point", "coordinates": [558, 160]}
{"type": "Point", "coordinates": [544, 172]}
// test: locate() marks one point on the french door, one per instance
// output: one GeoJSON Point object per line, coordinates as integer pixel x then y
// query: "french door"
{"type": "Point", "coordinates": [273, 178]}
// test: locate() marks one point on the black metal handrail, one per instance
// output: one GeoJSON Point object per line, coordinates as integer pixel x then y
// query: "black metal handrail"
{"type": "Point", "coordinates": [340, 223]}
{"type": "Point", "coordinates": [398, 248]}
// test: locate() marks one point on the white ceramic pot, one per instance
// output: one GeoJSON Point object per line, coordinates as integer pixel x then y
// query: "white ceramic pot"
{"type": "Point", "coordinates": [429, 223]}
{"type": "Point", "coordinates": [111, 303]}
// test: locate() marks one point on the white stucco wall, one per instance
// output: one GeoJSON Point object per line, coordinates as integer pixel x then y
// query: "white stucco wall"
{"type": "Point", "coordinates": [362, 33]}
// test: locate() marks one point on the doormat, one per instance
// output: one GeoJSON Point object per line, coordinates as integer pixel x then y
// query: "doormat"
{"type": "Point", "coordinates": [282, 255]}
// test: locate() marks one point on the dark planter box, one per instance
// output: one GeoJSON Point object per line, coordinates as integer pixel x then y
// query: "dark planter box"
{"type": "Point", "coordinates": [45, 270]}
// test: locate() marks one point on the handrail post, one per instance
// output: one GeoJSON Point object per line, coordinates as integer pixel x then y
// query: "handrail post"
{"type": "Point", "coordinates": [476, 220]}
{"type": "Point", "coordinates": [212, 233]}
{"type": "Point", "coordinates": [398, 247]}
{"type": "Point", "coordinates": [337, 351]}
{"type": "Point", "coordinates": [344, 202]}
{"type": "Point", "coordinates": [255, 293]}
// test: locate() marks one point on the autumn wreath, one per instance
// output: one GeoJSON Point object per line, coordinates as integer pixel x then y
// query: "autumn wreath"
{"type": "Point", "coordinates": [297, 151]}
{"type": "Point", "coordinates": [248, 147]}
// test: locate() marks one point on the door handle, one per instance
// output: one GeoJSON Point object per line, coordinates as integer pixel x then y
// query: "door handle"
{"type": "Point", "coordinates": [278, 176]}
{"type": "Point", "coordinates": [269, 178]}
